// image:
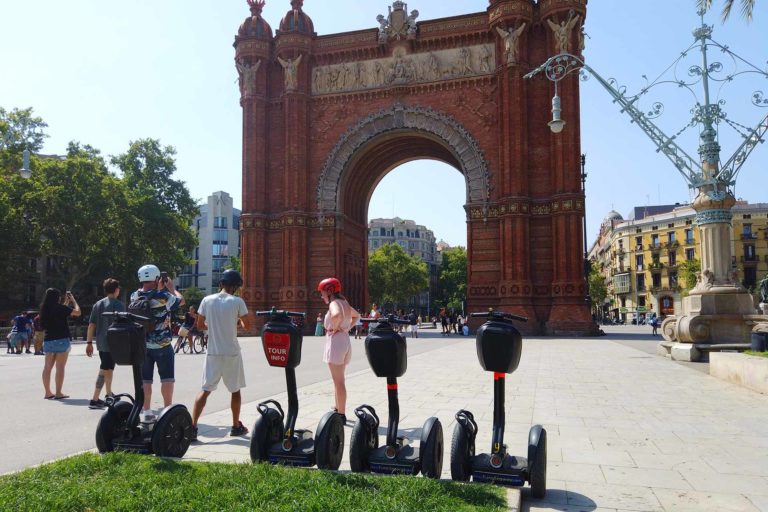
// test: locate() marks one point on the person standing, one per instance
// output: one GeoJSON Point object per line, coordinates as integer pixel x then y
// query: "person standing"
{"type": "Point", "coordinates": [97, 327]}
{"type": "Point", "coordinates": [220, 314]}
{"type": "Point", "coordinates": [319, 325]}
{"type": "Point", "coordinates": [56, 343]}
{"type": "Point", "coordinates": [413, 322]}
{"type": "Point", "coordinates": [19, 333]}
{"type": "Point", "coordinates": [163, 298]}
{"type": "Point", "coordinates": [39, 332]}
{"type": "Point", "coordinates": [338, 347]}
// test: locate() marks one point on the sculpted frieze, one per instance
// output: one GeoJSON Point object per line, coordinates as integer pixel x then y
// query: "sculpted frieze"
{"type": "Point", "coordinates": [404, 69]}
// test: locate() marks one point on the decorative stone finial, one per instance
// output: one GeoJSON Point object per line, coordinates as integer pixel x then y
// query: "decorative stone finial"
{"type": "Point", "coordinates": [256, 6]}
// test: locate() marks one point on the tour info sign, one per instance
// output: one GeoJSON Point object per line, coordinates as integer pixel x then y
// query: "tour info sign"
{"type": "Point", "coordinates": [276, 346]}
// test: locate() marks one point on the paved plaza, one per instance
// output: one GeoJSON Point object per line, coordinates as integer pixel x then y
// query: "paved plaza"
{"type": "Point", "coordinates": [627, 430]}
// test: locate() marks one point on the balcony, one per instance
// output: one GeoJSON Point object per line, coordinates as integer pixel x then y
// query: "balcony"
{"type": "Point", "coordinates": [750, 259]}
{"type": "Point", "coordinates": [690, 241]}
{"type": "Point", "coordinates": [748, 236]}
{"type": "Point", "coordinates": [674, 244]}
{"type": "Point", "coordinates": [655, 246]}
{"type": "Point", "coordinates": [656, 265]}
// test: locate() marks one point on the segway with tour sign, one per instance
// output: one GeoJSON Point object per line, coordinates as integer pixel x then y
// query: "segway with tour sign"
{"type": "Point", "coordinates": [386, 352]}
{"type": "Point", "coordinates": [119, 427]}
{"type": "Point", "coordinates": [274, 438]}
{"type": "Point", "coordinates": [499, 345]}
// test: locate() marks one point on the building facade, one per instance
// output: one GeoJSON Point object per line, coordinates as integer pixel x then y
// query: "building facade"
{"type": "Point", "coordinates": [417, 241]}
{"type": "Point", "coordinates": [641, 258]}
{"type": "Point", "coordinates": [217, 227]}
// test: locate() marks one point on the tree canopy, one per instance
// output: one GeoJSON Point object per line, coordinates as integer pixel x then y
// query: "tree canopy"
{"type": "Point", "coordinates": [85, 220]}
{"type": "Point", "coordinates": [747, 8]}
{"type": "Point", "coordinates": [453, 278]}
{"type": "Point", "coordinates": [394, 276]}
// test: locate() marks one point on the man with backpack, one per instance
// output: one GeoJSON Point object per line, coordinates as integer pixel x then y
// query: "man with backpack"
{"type": "Point", "coordinates": [156, 299]}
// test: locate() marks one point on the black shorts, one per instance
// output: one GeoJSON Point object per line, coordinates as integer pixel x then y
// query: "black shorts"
{"type": "Point", "coordinates": [107, 363]}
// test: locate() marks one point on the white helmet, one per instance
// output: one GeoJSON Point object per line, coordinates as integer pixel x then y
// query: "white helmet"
{"type": "Point", "coordinates": [148, 273]}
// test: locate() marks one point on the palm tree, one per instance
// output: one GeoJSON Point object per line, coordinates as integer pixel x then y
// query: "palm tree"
{"type": "Point", "coordinates": [747, 6]}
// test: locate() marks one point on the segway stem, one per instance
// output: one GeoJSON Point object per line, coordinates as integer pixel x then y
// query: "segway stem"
{"type": "Point", "coordinates": [497, 444]}
{"type": "Point", "coordinates": [138, 404]}
{"type": "Point", "coordinates": [394, 411]}
{"type": "Point", "coordinates": [293, 401]}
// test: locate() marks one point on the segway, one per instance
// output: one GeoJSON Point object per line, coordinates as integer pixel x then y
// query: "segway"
{"type": "Point", "coordinates": [386, 352]}
{"type": "Point", "coordinates": [499, 345]}
{"type": "Point", "coordinates": [274, 438]}
{"type": "Point", "coordinates": [119, 427]}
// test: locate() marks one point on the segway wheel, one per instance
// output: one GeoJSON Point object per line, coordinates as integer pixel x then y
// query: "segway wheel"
{"type": "Point", "coordinates": [462, 451]}
{"type": "Point", "coordinates": [431, 452]}
{"type": "Point", "coordinates": [537, 461]}
{"type": "Point", "coordinates": [172, 435]}
{"type": "Point", "coordinates": [266, 431]}
{"type": "Point", "coordinates": [111, 425]}
{"type": "Point", "coordinates": [362, 442]}
{"type": "Point", "coordinates": [329, 442]}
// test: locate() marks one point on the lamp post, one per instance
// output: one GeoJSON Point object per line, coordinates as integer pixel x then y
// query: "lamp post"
{"type": "Point", "coordinates": [587, 266]}
{"type": "Point", "coordinates": [718, 308]}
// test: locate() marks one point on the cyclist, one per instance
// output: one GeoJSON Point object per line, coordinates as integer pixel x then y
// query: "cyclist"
{"type": "Point", "coordinates": [187, 330]}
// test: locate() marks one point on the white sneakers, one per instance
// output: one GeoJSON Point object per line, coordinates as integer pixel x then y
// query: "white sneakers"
{"type": "Point", "coordinates": [148, 416]}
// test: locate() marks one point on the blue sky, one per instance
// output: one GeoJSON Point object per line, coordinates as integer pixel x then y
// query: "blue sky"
{"type": "Point", "coordinates": [105, 73]}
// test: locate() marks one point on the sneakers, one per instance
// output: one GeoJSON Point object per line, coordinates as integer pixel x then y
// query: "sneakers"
{"type": "Point", "coordinates": [147, 416]}
{"type": "Point", "coordinates": [239, 430]}
{"type": "Point", "coordinates": [193, 437]}
{"type": "Point", "coordinates": [97, 404]}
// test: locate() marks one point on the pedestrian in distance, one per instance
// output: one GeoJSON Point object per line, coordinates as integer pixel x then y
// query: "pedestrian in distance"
{"type": "Point", "coordinates": [19, 333]}
{"type": "Point", "coordinates": [413, 323]}
{"type": "Point", "coordinates": [338, 347]}
{"type": "Point", "coordinates": [221, 314]}
{"type": "Point", "coordinates": [319, 325]}
{"type": "Point", "coordinates": [39, 333]}
{"type": "Point", "coordinates": [97, 328]}
{"type": "Point", "coordinates": [157, 298]}
{"type": "Point", "coordinates": [54, 316]}
{"type": "Point", "coordinates": [359, 326]}
{"type": "Point", "coordinates": [186, 330]}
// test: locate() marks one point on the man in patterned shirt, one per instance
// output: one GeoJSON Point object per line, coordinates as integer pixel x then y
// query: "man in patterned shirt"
{"type": "Point", "coordinates": [163, 298]}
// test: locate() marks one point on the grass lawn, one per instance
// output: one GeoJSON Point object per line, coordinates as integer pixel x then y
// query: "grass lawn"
{"type": "Point", "coordinates": [760, 354]}
{"type": "Point", "coordinates": [121, 481]}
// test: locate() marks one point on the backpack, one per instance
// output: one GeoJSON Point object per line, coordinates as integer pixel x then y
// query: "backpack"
{"type": "Point", "coordinates": [142, 306]}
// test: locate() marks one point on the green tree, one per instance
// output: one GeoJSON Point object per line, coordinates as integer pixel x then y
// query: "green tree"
{"type": "Point", "coordinates": [394, 276]}
{"type": "Point", "coordinates": [193, 296]}
{"type": "Point", "coordinates": [598, 290]}
{"type": "Point", "coordinates": [161, 208]}
{"type": "Point", "coordinates": [747, 7]}
{"type": "Point", "coordinates": [234, 263]}
{"type": "Point", "coordinates": [453, 278]}
{"type": "Point", "coordinates": [687, 271]}
{"type": "Point", "coordinates": [20, 130]}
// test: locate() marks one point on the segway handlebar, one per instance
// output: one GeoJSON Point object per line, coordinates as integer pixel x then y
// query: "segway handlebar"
{"type": "Point", "coordinates": [126, 314]}
{"type": "Point", "coordinates": [391, 319]}
{"type": "Point", "coordinates": [279, 312]}
{"type": "Point", "coordinates": [499, 315]}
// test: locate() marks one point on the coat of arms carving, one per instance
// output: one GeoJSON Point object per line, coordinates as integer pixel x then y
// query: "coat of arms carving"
{"type": "Point", "coordinates": [398, 24]}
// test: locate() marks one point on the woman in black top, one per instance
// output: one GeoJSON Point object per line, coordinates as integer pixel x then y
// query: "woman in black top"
{"type": "Point", "coordinates": [56, 344]}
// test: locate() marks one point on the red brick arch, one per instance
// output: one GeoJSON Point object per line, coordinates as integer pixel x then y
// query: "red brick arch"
{"type": "Point", "coordinates": [326, 117]}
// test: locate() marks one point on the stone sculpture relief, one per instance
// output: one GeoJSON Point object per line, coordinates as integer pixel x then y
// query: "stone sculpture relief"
{"type": "Point", "coordinates": [563, 33]}
{"type": "Point", "coordinates": [290, 67]}
{"type": "Point", "coordinates": [247, 76]}
{"type": "Point", "coordinates": [511, 42]}
{"type": "Point", "coordinates": [402, 68]}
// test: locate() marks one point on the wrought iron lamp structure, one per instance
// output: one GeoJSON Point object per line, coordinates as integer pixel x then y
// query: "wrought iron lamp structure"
{"type": "Point", "coordinates": [713, 180]}
{"type": "Point", "coordinates": [26, 133]}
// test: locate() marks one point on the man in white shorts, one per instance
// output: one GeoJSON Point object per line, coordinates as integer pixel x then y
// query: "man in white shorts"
{"type": "Point", "coordinates": [413, 320]}
{"type": "Point", "coordinates": [220, 314]}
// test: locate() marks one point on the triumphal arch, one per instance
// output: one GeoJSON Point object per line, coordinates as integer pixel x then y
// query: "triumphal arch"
{"type": "Point", "coordinates": [325, 117]}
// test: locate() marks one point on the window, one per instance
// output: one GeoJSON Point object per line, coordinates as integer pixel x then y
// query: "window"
{"type": "Point", "coordinates": [218, 264]}
{"type": "Point", "coordinates": [383, 231]}
{"type": "Point", "coordinates": [689, 254]}
{"type": "Point", "coordinates": [670, 226]}
{"type": "Point", "coordinates": [672, 279]}
{"type": "Point", "coordinates": [375, 243]}
{"type": "Point", "coordinates": [672, 259]}
{"type": "Point", "coordinates": [750, 277]}
{"type": "Point", "coordinates": [746, 232]}
{"type": "Point", "coordinates": [638, 243]}
{"type": "Point", "coordinates": [640, 282]}
{"type": "Point", "coordinates": [236, 222]}
{"type": "Point", "coordinates": [689, 236]}
{"type": "Point", "coordinates": [656, 277]}
{"type": "Point", "coordinates": [220, 222]}
{"type": "Point", "coordinates": [655, 240]}
{"type": "Point", "coordinates": [621, 283]}
{"type": "Point", "coordinates": [402, 243]}
{"type": "Point", "coordinates": [220, 236]}
{"type": "Point", "coordinates": [641, 302]}
{"type": "Point", "coordinates": [671, 237]}
{"type": "Point", "coordinates": [655, 259]}
{"type": "Point", "coordinates": [749, 252]}
{"type": "Point", "coordinates": [220, 250]}
{"type": "Point", "coordinates": [639, 262]}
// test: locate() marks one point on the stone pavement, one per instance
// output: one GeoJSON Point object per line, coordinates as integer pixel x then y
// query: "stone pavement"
{"type": "Point", "coordinates": [626, 430]}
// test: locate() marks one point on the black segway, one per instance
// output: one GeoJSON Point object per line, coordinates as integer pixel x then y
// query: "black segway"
{"type": "Point", "coordinates": [499, 345]}
{"type": "Point", "coordinates": [274, 438]}
{"type": "Point", "coordinates": [119, 427]}
{"type": "Point", "coordinates": [386, 352]}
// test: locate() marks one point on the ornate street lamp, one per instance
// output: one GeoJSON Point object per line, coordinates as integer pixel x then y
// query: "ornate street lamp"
{"type": "Point", "coordinates": [718, 309]}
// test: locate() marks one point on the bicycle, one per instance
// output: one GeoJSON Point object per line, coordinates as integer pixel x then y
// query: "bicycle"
{"type": "Point", "coordinates": [200, 342]}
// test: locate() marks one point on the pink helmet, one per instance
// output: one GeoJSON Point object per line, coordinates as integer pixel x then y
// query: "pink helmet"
{"type": "Point", "coordinates": [331, 284]}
